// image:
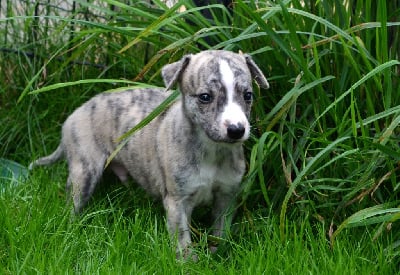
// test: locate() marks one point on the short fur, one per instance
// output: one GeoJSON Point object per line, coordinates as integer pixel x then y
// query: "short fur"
{"type": "Point", "coordinates": [189, 155]}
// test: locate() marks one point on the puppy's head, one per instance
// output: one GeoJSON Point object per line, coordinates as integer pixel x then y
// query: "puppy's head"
{"type": "Point", "coordinates": [217, 92]}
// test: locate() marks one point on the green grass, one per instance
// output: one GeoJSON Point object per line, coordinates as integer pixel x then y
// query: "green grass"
{"type": "Point", "coordinates": [322, 189]}
{"type": "Point", "coordinates": [124, 232]}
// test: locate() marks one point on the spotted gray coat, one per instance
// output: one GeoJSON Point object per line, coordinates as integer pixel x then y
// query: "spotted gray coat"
{"type": "Point", "coordinates": [189, 155]}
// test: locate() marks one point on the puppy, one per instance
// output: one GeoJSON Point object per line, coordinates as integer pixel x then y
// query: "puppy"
{"type": "Point", "coordinates": [189, 155]}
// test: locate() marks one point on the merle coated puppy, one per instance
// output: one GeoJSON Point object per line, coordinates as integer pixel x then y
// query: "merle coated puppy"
{"type": "Point", "coordinates": [189, 155]}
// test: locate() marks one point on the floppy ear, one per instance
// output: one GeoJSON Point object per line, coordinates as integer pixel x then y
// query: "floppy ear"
{"type": "Point", "coordinates": [172, 72]}
{"type": "Point", "coordinates": [256, 73]}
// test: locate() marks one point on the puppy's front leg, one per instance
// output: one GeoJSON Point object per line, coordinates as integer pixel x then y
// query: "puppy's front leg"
{"type": "Point", "coordinates": [222, 209]}
{"type": "Point", "coordinates": [178, 218]}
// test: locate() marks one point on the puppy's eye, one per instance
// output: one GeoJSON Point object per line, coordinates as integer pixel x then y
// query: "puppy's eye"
{"type": "Point", "coordinates": [205, 98]}
{"type": "Point", "coordinates": [248, 96]}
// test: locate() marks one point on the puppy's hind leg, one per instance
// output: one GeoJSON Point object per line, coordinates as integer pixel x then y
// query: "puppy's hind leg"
{"type": "Point", "coordinates": [82, 179]}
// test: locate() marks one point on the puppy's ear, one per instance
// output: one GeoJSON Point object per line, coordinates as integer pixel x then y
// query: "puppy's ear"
{"type": "Point", "coordinates": [172, 72]}
{"type": "Point", "coordinates": [256, 73]}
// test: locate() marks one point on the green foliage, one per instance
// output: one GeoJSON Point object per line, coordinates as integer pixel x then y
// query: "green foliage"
{"type": "Point", "coordinates": [325, 137]}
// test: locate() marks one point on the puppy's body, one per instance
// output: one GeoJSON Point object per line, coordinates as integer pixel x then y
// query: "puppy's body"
{"type": "Point", "coordinates": [189, 155]}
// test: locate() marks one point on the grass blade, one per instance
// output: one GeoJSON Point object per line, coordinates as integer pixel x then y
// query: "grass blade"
{"type": "Point", "coordinates": [370, 74]}
{"type": "Point", "coordinates": [370, 215]}
{"type": "Point", "coordinates": [123, 140]}
{"type": "Point", "coordinates": [298, 179]}
{"type": "Point", "coordinates": [88, 81]}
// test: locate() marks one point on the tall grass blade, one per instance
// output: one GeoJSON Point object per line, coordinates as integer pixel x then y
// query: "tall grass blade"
{"type": "Point", "coordinates": [89, 81]}
{"type": "Point", "coordinates": [370, 74]}
{"type": "Point", "coordinates": [307, 169]}
{"type": "Point", "coordinates": [123, 140]}
{"type": "Point", "coordinates": [288, 99]}
{"type": "Point", "coordinates": [156, 25]}
{"type": "Point", "coordinates": [371, 215]}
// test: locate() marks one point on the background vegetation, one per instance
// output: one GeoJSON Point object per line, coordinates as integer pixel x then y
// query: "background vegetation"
{"type": "Point", "coordinates": [322, 190]}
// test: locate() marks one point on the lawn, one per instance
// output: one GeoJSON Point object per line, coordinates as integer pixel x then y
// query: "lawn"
{"type": "Point", "coordinates": [321, 194]}
{"type": "Point", "coordinates": [124, 232]}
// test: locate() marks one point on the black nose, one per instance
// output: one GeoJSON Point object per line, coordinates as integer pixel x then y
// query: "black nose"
{"type": "Point", "coordinates": [236, 131]}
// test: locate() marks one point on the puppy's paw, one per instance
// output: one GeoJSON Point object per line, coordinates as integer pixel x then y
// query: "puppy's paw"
{"type": "Point", "coordinates": [213, 248]}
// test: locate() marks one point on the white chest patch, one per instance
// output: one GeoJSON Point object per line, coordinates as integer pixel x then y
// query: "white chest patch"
{"type": "Point", "coordinates": [203, 183]}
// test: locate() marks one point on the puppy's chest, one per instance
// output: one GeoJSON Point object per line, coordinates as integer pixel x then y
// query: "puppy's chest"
{"type": "Point", "coordinates": [209, 177]}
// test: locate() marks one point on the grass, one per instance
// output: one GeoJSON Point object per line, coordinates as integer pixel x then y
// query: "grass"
{"type": "Point", "coordinates": [124, 232]}
{"type": "Point", "coordinates": [322, 190]}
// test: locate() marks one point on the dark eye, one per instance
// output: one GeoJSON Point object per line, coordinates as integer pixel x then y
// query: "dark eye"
{"type": "Point", "coordinates": [248, 96]}
{"type": "Point", "coordinates": [205, 98]}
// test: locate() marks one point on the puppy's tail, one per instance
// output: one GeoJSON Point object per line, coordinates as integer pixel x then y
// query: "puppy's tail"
{"type": "Point", "coordinates": [50, 159]}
